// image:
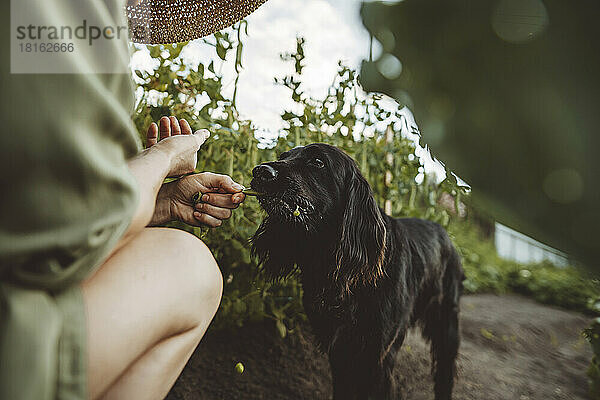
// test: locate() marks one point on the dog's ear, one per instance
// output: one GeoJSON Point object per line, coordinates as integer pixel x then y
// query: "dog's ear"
{"type": "Point", "coordinates": [274, 256]}
{"type": "Point", "coordinates": [361, 249]}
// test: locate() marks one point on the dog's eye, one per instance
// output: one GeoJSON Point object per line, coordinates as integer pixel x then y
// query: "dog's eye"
{"type": "Point", "coordinates": [315, 162]}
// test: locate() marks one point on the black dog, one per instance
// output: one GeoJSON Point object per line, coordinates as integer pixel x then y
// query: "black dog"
{"type": "Point", "coordinates": [366, 277]}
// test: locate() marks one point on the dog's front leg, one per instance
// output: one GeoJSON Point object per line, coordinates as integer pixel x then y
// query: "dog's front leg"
{"type": "Point", "coordinates": [345, 375]}
{"type": "Point", "coordinates": [353, 370]}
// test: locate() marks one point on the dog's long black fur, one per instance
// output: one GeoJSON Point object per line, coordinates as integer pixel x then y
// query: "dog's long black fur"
{"type": "Point", "coordinates": [367, 277]}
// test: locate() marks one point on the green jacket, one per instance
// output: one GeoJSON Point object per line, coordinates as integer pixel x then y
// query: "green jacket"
{"type": "Point", "coordinates": [66, 197]}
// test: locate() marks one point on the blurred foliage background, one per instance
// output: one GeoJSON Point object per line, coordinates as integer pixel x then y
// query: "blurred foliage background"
{"type": "Point", "coordinates": [506, 93]}
{"type": "Point", "coordinates": [386, 156]}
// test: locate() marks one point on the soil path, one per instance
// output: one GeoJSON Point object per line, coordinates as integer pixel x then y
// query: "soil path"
{"type": "Point", "coordinates": [512, 348]}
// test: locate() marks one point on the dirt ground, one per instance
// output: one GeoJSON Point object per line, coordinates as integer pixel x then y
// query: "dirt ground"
{"type": "Point", "coordinates": [512, 348]}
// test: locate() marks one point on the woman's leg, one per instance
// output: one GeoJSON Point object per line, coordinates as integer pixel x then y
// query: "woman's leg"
{"type": "Point", "coordinates": [148, 307]}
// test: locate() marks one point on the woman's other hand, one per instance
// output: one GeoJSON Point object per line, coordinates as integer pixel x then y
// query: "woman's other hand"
{"type": "Point", "coordinates": [220, 195]}
{"type": "Point", "coordinates": [174, 137]}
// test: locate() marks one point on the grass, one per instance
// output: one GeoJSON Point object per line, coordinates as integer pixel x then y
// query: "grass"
{"type": "Point", "coordinates": [569, 287]}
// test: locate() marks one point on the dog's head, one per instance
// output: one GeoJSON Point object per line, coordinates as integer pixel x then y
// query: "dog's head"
{"type": "Point", "coordinates": [304, 188]}
{"type": "Point", "coordinates": [317, 194]}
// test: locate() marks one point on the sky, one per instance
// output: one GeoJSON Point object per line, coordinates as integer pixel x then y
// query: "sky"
{"type": "Point", "coordinates": [333, 31]}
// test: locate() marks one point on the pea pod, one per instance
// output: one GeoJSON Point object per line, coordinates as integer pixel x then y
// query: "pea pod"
{"type": "Point", "coordinates": [250, 192]}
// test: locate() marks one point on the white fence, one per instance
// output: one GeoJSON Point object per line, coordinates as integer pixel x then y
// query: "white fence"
{"type": "Point", "coordinates": [515, 246]}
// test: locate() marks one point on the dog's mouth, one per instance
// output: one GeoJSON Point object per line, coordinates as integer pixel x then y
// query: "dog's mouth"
{"type": "Point", "coordinates": [285, 205]}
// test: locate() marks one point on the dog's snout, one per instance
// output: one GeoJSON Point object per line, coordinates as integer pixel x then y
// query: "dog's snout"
{"type": "Point", "coordinates": [264, 172]}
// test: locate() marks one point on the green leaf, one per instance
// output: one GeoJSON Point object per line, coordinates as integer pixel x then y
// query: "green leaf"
{"type": "Point", "coordinates": [281, 329]}
{"type": "Point", "coordinates": [221, 51]}
{"type": "Point", "coordinates": [154, 51]}
{"type": "Point", "coordinates": [238, 57]}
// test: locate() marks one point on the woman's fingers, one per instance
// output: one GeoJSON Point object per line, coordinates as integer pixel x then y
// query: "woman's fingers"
{"type": "Point", "coordinates": [201, 136]}
{"type": "Point", "coordinates": [217, 212]}
{"type": "Point", "coordinates": [223, 182]}
{"type": "Point", "coordinates": [219, 200]}
{"type": "Point", "coordinates": [169, 126]}
{"type": "Point", "coordinates": [207, 220]}
{"type": "Point", "coordinates": [165, 127]}
{"type": "Point", "coordinates": [238, 198]}
{"type": "Point", "coordinates": [185, 127]}
{"type": "Point", "coordinates": [175, 129]}
{"type": "Point", "coordinates": [152, 135]}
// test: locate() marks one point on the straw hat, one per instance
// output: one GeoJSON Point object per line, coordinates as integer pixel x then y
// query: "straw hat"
{"type": "Point", "coordinates": [173, 21]}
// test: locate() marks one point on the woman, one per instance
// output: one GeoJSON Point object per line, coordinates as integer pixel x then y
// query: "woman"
{"type": "Point", "coordinates": [95, 302]}
{"type": "Point", "coordinates": [164, 283]}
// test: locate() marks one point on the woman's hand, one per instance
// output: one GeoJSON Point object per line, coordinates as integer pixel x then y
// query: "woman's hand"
{"type": "Point", "coordinates": [177, 142]}
{"type": "Point", "coordinates": [174, 201]}
{"type": "Point", "coordinates": [220, 194]}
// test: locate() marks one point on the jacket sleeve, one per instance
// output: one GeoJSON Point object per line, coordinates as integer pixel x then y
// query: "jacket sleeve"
{"type": "Point", "coordinates": [67, 195]}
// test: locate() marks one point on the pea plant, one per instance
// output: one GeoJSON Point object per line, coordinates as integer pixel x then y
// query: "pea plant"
{"type": "Point", "coordinates": [346, 117]}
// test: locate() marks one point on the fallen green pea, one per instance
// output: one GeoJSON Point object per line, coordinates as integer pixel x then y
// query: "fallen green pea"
{"type": "Point", "coordinates": [239, 368]}
{"type": "Point", "coordinates": [296, 212]}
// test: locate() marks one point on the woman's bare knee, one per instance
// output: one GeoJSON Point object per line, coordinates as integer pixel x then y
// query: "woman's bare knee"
{"type": "Point", "coordinates": [167, 273]}
{"type": "Point", "coordinates": [163, 283]}
{"type": "Point", "coordinates": [200, 275]}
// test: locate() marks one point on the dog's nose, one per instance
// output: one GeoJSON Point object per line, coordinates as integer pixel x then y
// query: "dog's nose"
{"type": "Point", "coordinates": [264, 172]}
